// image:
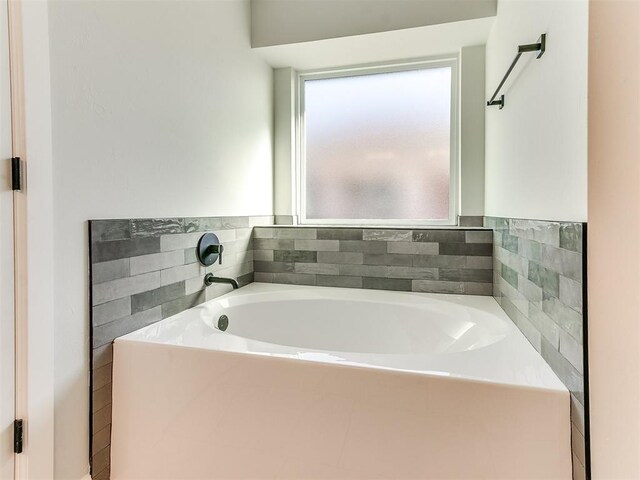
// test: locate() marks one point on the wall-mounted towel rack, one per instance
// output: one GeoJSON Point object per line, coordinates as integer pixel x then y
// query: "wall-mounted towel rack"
{"type": "Point", "coordinates": [531, 47]}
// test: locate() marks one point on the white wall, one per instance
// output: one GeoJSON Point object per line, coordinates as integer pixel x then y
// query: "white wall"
{"type": "Point", "coordinates": [277, 22]}
{"type": "Point", "coordinates": [472, 107]}
{"type": "Point", "coordinates": [159, 109]}
{"type": "Point", "coordinates": [614, 228]}
{"type": "Point", "coordinates": [536, 147]}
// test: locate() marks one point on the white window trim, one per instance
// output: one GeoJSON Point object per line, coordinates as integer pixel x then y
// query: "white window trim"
{"type": "Point", "coordinates": [451, 61]}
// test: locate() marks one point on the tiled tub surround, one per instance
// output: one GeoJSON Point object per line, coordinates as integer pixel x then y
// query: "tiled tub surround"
{"type": "Point", "coordinates": [539, 282]}
{"type": "Point", "coordinates": [426, 260]}
{"type": "Point", "coordinates": [144, 270]}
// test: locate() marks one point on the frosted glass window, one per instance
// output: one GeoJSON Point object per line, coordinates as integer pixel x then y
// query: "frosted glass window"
{"type": "Point", "coordinates": [378, 146]}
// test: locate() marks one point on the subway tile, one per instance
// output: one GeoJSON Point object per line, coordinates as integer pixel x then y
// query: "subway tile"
{"type": "Point", "coordinates": [479, 236]}
{"type": "Point", "coordinates": [106, 333]}
{"type": "Point", "coordinates": [545, 325]}
{"type": "Point", "coordinates": [109, 311]}
{"type": "Point", "coordinates": [440, 261]}
{"type": "Point", "coordinates": [179, 273]}
{"type": "Point", "coordinates": [111, 270]}
{"type": "Point", "coordinates": [564, 262]}
{"type": "Point", "coordinates": [571, 293]}
{"type": "Point", "coordinates": [470, 221]}
{"type": "Point", "coordinates": [510, 243]}
{"type": "Point", "coordinates": [387, 259]}
{"type": "Point", "coordinates": [157, 261]}
{"type": "Point", "coordinates": [571, 349]}
{"type": "Point", "coordinates": [422, 273]}
{"type": "Point", "coordinates": [474, 288]}
{"type": "Point", "coordinates": [317, 268]}
{"type": "Point", "coordinates": [413, 248]}
{"type": "Point", "coordinates": [387, 235]}
{"type": "Point", "coordinates": [480, 249]}
{"type": "Point", "coordinates": [529, 249]}
{"type": "Point", "coordinates": [523, 323]}
{"type": "Point", "coordinates": [465, 275]}
{"type": "Point", "coordinates": [103, 475]}
{"type": "Point", "coordinates": [341, 257]}
{"type": "Point", "coordinates": [512, 260]}
{"type": "Point", "coordinates": [263, 255]}
{"type": "Point", "coordinates": [101, 418]}
{"type": "Point", "coordinates": [180, 304]}
{"type": "Point", "coordinates": [105, 251]}
{"type": "Point", "coordinates": [124, 287]}
{"type": "Point", "coordinates": [100, 377]}
{"type": "Point", "coordinates": [234, 271]}
{"type": "Point", "coordinates": [564, 370]}
{"type": "Point", "coordinates": [474, 262]}
{"type": "Point", "coordinates": [100, 461]}
{"type": "Point", "coordinates": [231, 223]}
{"type": "Point", "coordinates": [577, 414]}
{"type": "Point", "coordinates": [273, 244]}
{"type": "Point", "coordinates": [577, 445]}
{"type": "Point", "coordinates": [507, 290]}
{"type": "Point", "coordinates": [339, 234]}
{"type": "Point", "coordinates": [363, 270]}
{"type": "Point", "coordinates": [547, 279]}
{"type": "Point", "coordinates": [343, 281]}
{"type": "Point", "coordinates": [100, 439]}
{"type": "Point", "coordinates": [150, 227]}
{"type": "Point", "coordinates": [386, 284]}
{"type": "Point", "coordinates": [543, 232]}
{"type": "Point", "coordinates": [359, 246]}
{"type": "Point", "coordinates": [190, 255]}
{"type": "Point", "coordinates": [294, 278]}
{"type": "Point", "coordinates": [317, 245]}
{"type": "Point", "coordinates": [202, 224]}
{"type": "Point", "coordinates": [107, 230]}
{"type": "Point", "coordinates": [245, 279]}
{"type": "Point", "coordinates": [101, 398]}
{"type": "Point", "coordinates": [157, 296]}
{"type": "Point", "coordinates": [179, 241]}
{"type": "Point", "coordinates": [571, 237]}
{"type": "Point", "coordinates": [193, 285]}
{"type": "Point", "coordinates": [295, 233]}
{"type": "Point", "coordinates": [436, 286]}
{"type": "Point", "coordinates": [439, 236]}
{"type": "Point", "coordinates": [273, 267]}
{"type": "Point", "coordinates": [101, 356]}
{"type": "Point", "coordinates": [265, 277]}
{"type": "Point", "coordinates": [578, 470]}
{"type": "Point", "coordinates": [568, 319]}
{"type": "Point", "coordinates": [510, 275]}
{"type": "Point", "coordinates": [530, 290]}
{"type": "Point", "coordinates": [295, 256]}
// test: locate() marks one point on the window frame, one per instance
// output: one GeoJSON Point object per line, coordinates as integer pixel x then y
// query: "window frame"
{"type": "Point", "coordinates": [451, 61]}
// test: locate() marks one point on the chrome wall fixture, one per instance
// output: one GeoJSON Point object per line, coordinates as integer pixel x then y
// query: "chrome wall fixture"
{"type": "Point", "coordinates": [531, 47]}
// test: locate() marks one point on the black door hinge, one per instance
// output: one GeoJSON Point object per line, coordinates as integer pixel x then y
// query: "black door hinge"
{"type": "Point", "coordinates": [18, 436]}
{"type": "Point", "coordinates": [16, 174]}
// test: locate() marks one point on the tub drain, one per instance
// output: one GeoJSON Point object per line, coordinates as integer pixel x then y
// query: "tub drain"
{"type": "Point", "coordinates": [223, 322]}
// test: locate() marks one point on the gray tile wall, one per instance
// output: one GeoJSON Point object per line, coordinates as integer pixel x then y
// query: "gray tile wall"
{"type": "Point", "coordinates": [431, 260]}
{"type": "Point", "coordinates": [144, 270]}
{"type": "Point", "coordinates": [539, 282]}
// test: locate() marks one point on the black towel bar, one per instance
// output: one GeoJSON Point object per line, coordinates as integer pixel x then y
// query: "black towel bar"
{"type": "Point", "coordinates": [531, 47]}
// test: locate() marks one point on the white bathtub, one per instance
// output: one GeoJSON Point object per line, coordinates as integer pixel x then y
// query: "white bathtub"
{"type": "Point", "coordinates": [312, 382]}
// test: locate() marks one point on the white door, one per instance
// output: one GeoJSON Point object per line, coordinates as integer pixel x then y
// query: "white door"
{"type": "Point", "coordinates": [7, 339]}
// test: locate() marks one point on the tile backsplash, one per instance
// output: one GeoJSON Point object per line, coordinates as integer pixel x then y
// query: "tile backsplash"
{"type": "Point", "coordinates": [144, 270]}
{"type": "Point", "coordinates": [426, 260]}
{"type": "Point", "coordinates": [539, 282]}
